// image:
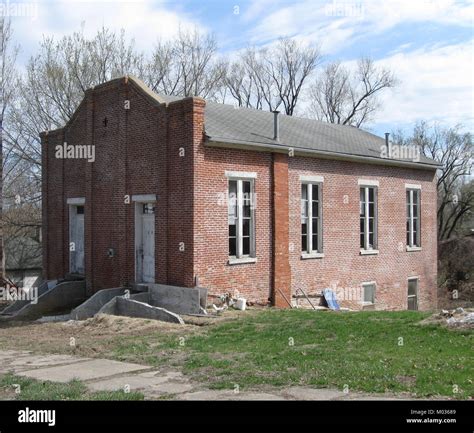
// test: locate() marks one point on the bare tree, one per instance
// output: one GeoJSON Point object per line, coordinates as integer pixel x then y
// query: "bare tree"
{"type": "Point", "coordinates": [349, 98]}
{"type": "Point", "coordinates": [453, 149]}
{"type": "Point", "coordinates": [241, 83]}
{"type": "Point", "coordinates": [271, 77]}
{"type": "Point", "coordinates": [186, 66]}
{"type": "Point", "coordinates": [8, 54]}
{"type": "Point", "coordinates": [57, 77]}
{"type": "Point", "coordinates": [48, 94]}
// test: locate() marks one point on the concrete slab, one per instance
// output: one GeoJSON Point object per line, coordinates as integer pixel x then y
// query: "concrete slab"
{"type": "Point", "coordinates": [134, 382]}
{"type": "Point", "coordinates": [170, 388]}
{"type": "Point", "coordinates": [228, 395]}
{"type": "Point", "coordinates": [94, 369]}
{"type": "Point", "coordinates": [207, 394]}
{"type": "Point", "coordinates": [302, 393]}
{"type": "Point", "coordinates": [7, 357]}
{"type": "Point", "coordinates": [258, 396]}
{"type": "Point", "coordinates": [172, 375]}
{"type": "Point", "coordinates": [8, 354]}
{"type": "Point", "coordinates": [38, 361]}
{"type": "Point", "coordinates": [376, 397]}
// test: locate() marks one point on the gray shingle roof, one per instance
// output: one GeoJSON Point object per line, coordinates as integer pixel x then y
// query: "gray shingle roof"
{"type": "Point", "coordinates": [249, 126]}
{"type": "Point", "coordinates": [246, 126]}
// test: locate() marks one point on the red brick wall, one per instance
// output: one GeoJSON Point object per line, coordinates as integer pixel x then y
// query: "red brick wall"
{"type": "Point", "coordinates": [140, 151]}
{"type": "Point", "coordinates": [131, 158]}
{"type": "Point", "coordinates": [211, 247]}
{"type": "Point", "coordinates": [343, 268]}
{"type": "Point", "coordinates": [281, 240]}
{"type": "Point", "coordinates": [185, 131]}
{"type": "Point", "coordinates": [52, 207]}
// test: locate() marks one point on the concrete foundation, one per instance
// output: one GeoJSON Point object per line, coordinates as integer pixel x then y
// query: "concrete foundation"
{"type": "Point", "coordinates": [181, 300]}
{"type": "Point", "coordinates": [120, 306]}
{"type": "Point", "coordinates": [160, 302]}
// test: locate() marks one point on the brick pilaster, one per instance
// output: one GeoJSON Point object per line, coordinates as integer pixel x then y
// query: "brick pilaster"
{"type": "Point", "coordinates": [89, 207]}
{"type": "Point", "coordinates": [281, 264]}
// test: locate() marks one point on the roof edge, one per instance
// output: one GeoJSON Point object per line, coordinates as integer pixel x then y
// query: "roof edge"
{"type": "Point", "coordinates": [281, 148]}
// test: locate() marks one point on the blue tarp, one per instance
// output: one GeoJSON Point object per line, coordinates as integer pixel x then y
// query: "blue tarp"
{"type": "Point", "coordinates": [331, 300]}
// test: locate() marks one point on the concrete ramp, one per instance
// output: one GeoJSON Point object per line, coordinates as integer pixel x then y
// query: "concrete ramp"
{"type": "Point", "coordinates": [92, 305]}
{"type": "Point", "coordinates": [18, 305]}
{"type": "Point", "coordinates": [160, 302]}
{"type": "Point", "coordinates": [120, 306]}
{"type": "Point", "coordinates": [51, 300]}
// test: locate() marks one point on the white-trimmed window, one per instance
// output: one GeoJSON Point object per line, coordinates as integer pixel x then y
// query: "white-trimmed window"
{"type": "Point", "coordinates": [311, 221]}
{"type": "Point", "coordinates": [368, 218]}
{"type": "Point", "coordinates": [368, 293]}
{"type": "Point", "coordinates": [413, 293]}
{"type": "Point", "coordinates": [241, 217]}
{"type": "Point", "coordinates": [413, 218]}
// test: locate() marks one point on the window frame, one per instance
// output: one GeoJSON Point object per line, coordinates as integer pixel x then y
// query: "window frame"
{"type": "Point", "coordinates": [239, 178]}
{"type": "Point", "coordinates": [417, 280]}
{"type": "Point", "coordinates": [364, 285]}
{"type": "Point", "coordinates": [309, 252]}
{"type": "Point", "coordinates": [366, 187]}
{"type": "Point", "coordinates": [410, 217]}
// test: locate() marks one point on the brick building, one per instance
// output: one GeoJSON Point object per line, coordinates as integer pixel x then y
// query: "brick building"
{"type": "Point", "coordinates": [139, 187]}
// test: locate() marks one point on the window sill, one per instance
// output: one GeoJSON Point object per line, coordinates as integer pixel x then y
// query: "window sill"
{"type": "Point", "coordinates": [305, 256]}
{"type": "Point", "coordinates": [413, 248]}
{"type": "Point", "coordinates": [369, 252]}
{"type": "Point", "coordinates": [242, 260]}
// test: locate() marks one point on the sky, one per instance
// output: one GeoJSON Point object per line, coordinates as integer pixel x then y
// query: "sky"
{"type": "Point", "coordinates": [427, 43]}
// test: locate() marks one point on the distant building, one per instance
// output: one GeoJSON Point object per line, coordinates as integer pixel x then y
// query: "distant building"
{"type": "Point", "coordinates": [23, 261]}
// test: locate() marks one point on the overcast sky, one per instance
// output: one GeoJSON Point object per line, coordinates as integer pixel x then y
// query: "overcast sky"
{"type": "Point", "coordinates": [428, 43]}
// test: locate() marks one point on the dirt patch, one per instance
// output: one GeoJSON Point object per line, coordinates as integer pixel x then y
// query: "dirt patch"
{"type": "Point", "coordinates": [108, 324]}
{"type": "Point", "coordinates": [95, 337]}
{"type": "Point", "coordinates": [406, 380]}
{"type": "Point", "coordinates": [100, 336]}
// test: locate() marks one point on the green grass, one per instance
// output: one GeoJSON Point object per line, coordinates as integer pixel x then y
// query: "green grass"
{"type": "Point", "coordinates": [362, 351]}
{"type": "Point", "coordinates": [23, 388]}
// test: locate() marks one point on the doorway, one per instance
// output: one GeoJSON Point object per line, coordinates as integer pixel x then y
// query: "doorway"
{"type": "Point", "coordinates": [76, 239]}
{"type": "Point", "coordinates": [145, 242]}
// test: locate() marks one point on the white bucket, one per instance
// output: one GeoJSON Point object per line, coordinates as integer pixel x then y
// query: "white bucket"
{"type": "Point", "coordinates": [241, 304]}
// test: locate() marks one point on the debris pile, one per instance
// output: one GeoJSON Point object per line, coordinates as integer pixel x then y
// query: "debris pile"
{"type": "Point", "coordinates": [227, 300]}
{"type": "Point", "coordinates": [460, 318]}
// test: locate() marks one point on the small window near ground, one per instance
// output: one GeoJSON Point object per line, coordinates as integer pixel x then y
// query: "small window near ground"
{"type": "Point", "coordinates": [369, 293]}
{"type": "Point", "coordinates": [413, 294]}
